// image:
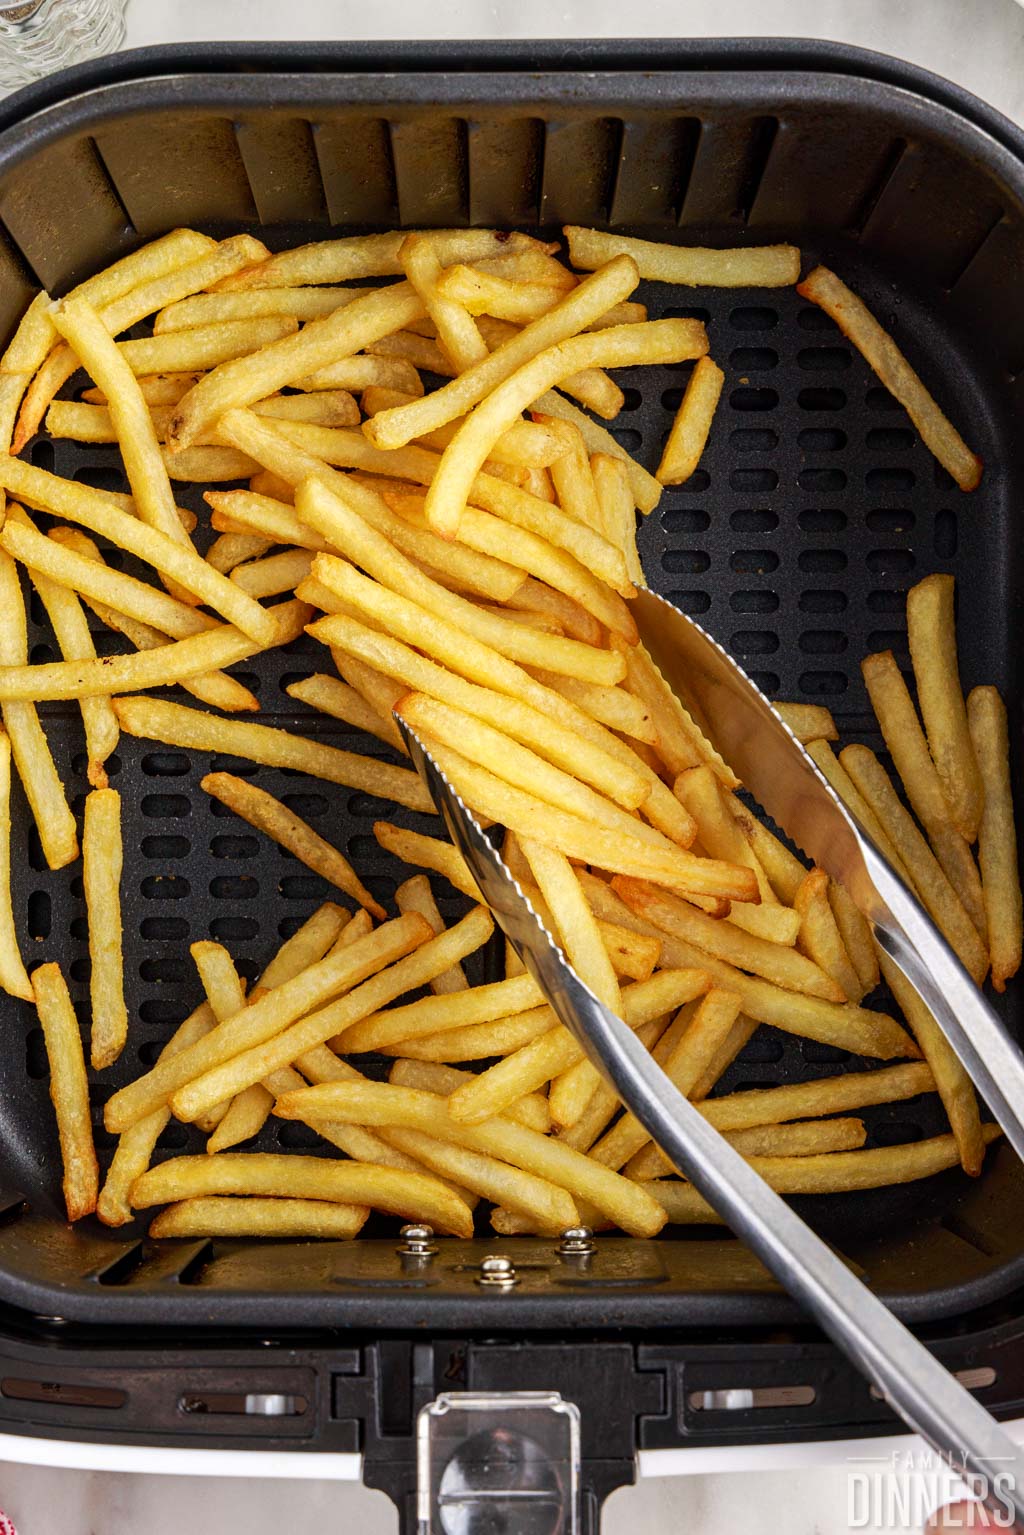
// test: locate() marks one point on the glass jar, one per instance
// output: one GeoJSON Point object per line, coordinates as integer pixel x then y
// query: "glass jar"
{"type": "Point", "coordinates": [38, 37]}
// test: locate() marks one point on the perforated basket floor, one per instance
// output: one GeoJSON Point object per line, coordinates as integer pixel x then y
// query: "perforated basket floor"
{"type": "Point", "coordinates": [813, 511]}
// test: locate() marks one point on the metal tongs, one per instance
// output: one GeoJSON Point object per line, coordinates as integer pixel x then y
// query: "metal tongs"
{"type": "Point", "coordinates": [777, 771]}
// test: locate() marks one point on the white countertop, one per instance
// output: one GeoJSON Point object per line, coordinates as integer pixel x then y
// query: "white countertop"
{"type": "Point", "coordinates": [979, 44]}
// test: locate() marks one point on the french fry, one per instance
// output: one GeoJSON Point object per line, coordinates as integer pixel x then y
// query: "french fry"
{"type": "Point", "coordinates": [383, 1104]}
{"type": "Point", "coordinates": [428, 853]}
{"type": "Point", "coordinates": [592, 387]}
{"type": "Point", "coordinates": [101, 876]}
{"type": "Point", "coordinates": [944, 904]}
{"type": "Point", "coordinates": [576, 927]}
{"type": "Point", "coordinates": [207, 346]}
{"type": "Point", "coordinates": [416, 969]}
{"type": "Point", "coordinates": [268, 815]}
{"type": "Point", "coordinates": [555, 1050]}
{"type": "Point", "coordinates": [836, 772]}
{"type": "Point", "coordinates": [849, 1027]}
{"type": "Point", "coordinates": [906, 744]}
{"type": "Point", "coordinates": [274, 574]}
{"type": "Point", "coordinates": [952, 1083]}
{"type": "Point", "coordinates": [604, 1102]}
{"type": "Point", "coordinates": [692, 425]}
{"type": "Point", "coordinates": [209, 463]}
{"type": "Point", "coordinates": [356, 256]}
{"type": "Point", "coordinates": [765, 266]}
{"type": "Point", "coordinates": [997, 837]}
{"type": "Point", "coordinates": [826, 1095]}
{"type": "Point", "coordinates": [332, 696]}
{"type": "Point", "coordinates": [832, 1172]}
{"type": "Point", "coordinates": [13, 975]}
{"type": "Point", "coordinates": [618, 515]}
{"type": "Point", "coordinates": [69, 1090]}
{"type": "Point", "coordinates": [780, 868]}
{"type": "Point", "coordinates": [244, 380]}
{"type": "Point", "coordinates": [774, 962]}
{"type": "Point", "coordinates": [526, 266]}
{"type": "Point", "coordinates": [265, 1018]}
{"type": "Point", "coordinates": [621, 346]}
{"type": "Point", "coordinates": [208, 308]}
{"type": "Point", "coordinates": [574, 483]}
{"type": "Point", "coordinates": [416, 895]}
{"type": "Point", "coordinates": [364, 372]}
{"type": "Point", "coordinates": [102, 677]}
{"type": "Point", "coordinates": [214, 1216]}
{"type": "Point", "coordinates": [156, 388]}
{"type": "Point", "coordinates": [325, 510]}
{"type": "Point", "coordinates": [931, 632]}
{"type": "Point", "coordinates": [819, 937]}
{"type": "Point", "coordinates": [681, 742]}
{"type": "Point", "coordinates": [244, 1118]}
{"type": "Point", "coordinates": [482, 292]}
{"type": "Point", "coordinates": [855, 931]}
{"type": "Point", "coordinates": [225, 993]}
{"type": "Point", "coordinates": [81, 504]}
{"type": "Point", "coordinates": [457, 333]}
{"type": "Point", "coordinates": [177, 725]}
{"type": "Point", "coordinates": [646, 489]}
{"type": "Point", "coordinates": [882, 354]}
{"type": "Point", "coordinates": [595, 295]}
{"type": "Point", "coordinates": [413, 1195]}
{"type": "Point", "coordinates": [808, 722]}
{"type": "Point", "coordinates": [531, 1110]}
{"type": "Point", "coordinates": [71, 629]}
{"type": "Point", "coordinates": [478, 1004]}
{"type": "Point", "coordinates": [613, 707]}
{"type": "Point", "coordinates": [39, 777]}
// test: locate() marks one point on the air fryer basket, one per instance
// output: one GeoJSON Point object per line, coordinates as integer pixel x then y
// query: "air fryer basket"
{"type": "Point", "coordinates": [814, 509]}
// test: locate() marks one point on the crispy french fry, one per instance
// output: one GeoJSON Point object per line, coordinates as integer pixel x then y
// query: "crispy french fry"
{"type": "Point", "coordinates": [620, 346]}
{"type": "Point", "coordinates": [207, 346]}
{"type": "Point", "coordinates": [856, 934]}
{"type": "Point", "coordinates": [692, 425]}
{"type": "Point", "coordinates": [832, 1172]}
{"type": "Point", "coordinates": [478, 1004]}
{"type": "Point", "coordinates": [414, 1195]}
{"type": "Point", "coordinates": [244, 1118]}
{"type": "Point", "coordinates": [952, 1083]}
{"type": "Point", "coordinates": [882, 354]}
{"type": "Point", "coordinates": [177, 725]}
{"type": "Point", "coordinates": [646, 489]}
{"type": "Point", "coordinates": [826, 1095]}
{"type": "Point", "coordinates": [214, 1216]}
{"type": "Point", "coordinates": [946, 908]}
{"type": "Point", "coordinates": [274, 574]}
{"type": "Point", "coordinates": [428, 853]}
{"type": "Point", "coordinates": [576, 926]}
{"type": "Point", "coordinates": [931, 632]}
{"type": "Point", "coordinates": [208, 308]}
{"type": "Point", "coordinates": [681, 742]}
{"type": "Point", "coordinates": [997, 837]}
{"type": "Point", "coordinates": [307, 945]}
{"type": "Point", "coordinates": [265, 1018]}
{"type": "Point", "coordinates": [156, 388]}
{"type": "Point", "coordinates": [364, 372]}
{"type": "Point", "coordinates": [764, 266]}
{"type": "Point", "coordinates": [613, 707]}
{"type": "Point", "coordinates": [39, 777]}
{"type": "Point", "coordinates": [268, 815]}
{"type": "Point", "coordinates": [332, 696]}
{"type": "Point", "coordinates": [838, 776]}
{"type": "Point", "coordinates": [906, 744]}
{"type": "Point", "coordinates": [819, 937]}
{"type": "Point", "coordinates": [69, 1090]}
{"type": "Point", "coordinates": [13, 975]}
{"type": "Point", "coordinates": [531, 1110]}
{"type": "Point", "coordinates": [780, 868]}
{"type": "Point", "coordinates": [416, 895]}
{"type": "Point", "coordinates": [808, 722]}
{"type": "Point", "coordinates": [384, 1104]}
{"type": "Point", "coordinates": [457, 333]}
{"type": "Point", "coordinates": [101, 876]}
{"type": "Point", "coordinates": [618, 514]}
{"type": "Point", "coordinates": [356, 256]}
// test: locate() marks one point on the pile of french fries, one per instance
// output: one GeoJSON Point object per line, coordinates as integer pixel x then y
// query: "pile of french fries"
{"type": "Point", "coordinates": [466, 556]}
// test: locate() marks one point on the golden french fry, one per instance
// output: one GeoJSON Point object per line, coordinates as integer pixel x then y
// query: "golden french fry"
{"type": "Point", "coordinates": [781, 870]}
{"type": "Point", "coordinates": [377, 1103]}
{"type": "Point", "coordinates": [658, 341]}
{"type": "Point", "coordinates": [581, 305]}
{"type": "Point", "coordinates": [946, 908]}
{"type": "Point", "coordinates": [429, 853]}
{"type": "Point", "coordinates": [931, 632]}
{"type": "Point", "coordinates": [857, 1029]}
{"type": "Point", "coordinates": [774, 962]}
{"type": "Point", "coordinates": [156, 388]}
{"type": "Point", "coordinates": [245, 1117]}
{"type": "Point", "coordinates": [307, 945]}
{"type": "Point", "coordinates": [576, 927]}
{"type": "Point", "coordinates": [681, 742]}
{"type": "Point", "coordinates": [414, 1195]}
{"type": "Point", "coordinates": [997, 836]}
{"type": "Point", "coordinates": [436, 955]}
{"type": "Point", "coordinates": [819, 937]}
{"type": "Point", "coordinates": [827, 1095]}
{"type": "Point", "coordinates": [906, 744]}
{"type": "Point", "coordinates": [71, 629]}
{"type": "Point", "coordinates": [69, 1090]}
{"type": "Point", "coordinates": [176, 725]}
{"type": "Point", "coordinates": [214, 1216]}
{"type": "Point", "coordinates": [264, 1018]}
{"type": "Point", "coordinates": [531, 1110]}
{"type": "Point", "coordinates": [355, 256]}
{"type": "Point", "coordinates": [79, 503]}
{"type": "Point", "coordinates": [102, 677]}
{"type": "Point", "coordinates": [232, 549]}
{"type": "Point", "coordinates": [856, 934]}
{"type": "Point", "coordinates": [209, 308]}
{"type": "Point", "coordinates": [482, 292]}
{"type": "Point", "coordinates": [101, 876]}
{"type": "Point", "coordinates": [364, 372]}
{"type": "Point", "coordinates": [763, 266]}
{"type": "Point", "coordinates": [332, 696]}
{"type": "Point", "coordinates": [692, 425]}
{"type": "Point", "coordinates": [613, 707]}
{"type": "Point", "coordinates": [952, 1083]}
{"type": "Point", "coordinates": [618, 514]}
{"type": "Point", "coordinates": [268, 815]}
{"type": "Point", "coordinates": [208, 463]}
{"type": "Point", "coordinates": [831, 1172]}
{"type": "Point", "coordinates": [838, 776]}
{"type": "Point", "coordinates": [39, 777]}
{"type": "Point", "coordinates": [882, 354]}
{"type": "Point", "coordinates": [646, 489]}
{"type": "Point", "coordinates": [243, 380]}
{"type": "Point", "coordinates": [13, 975]}
{"type": "Point", "coordinates": [808, 722]}
{"type": "Point", "coordinates": [457, 333]}
{"type": "Point", "coordinates": [415, 894]}
{"type": "Point", "coordinates": [274, 574]}
{"type": "Point", "coordinates": [478, 1004]}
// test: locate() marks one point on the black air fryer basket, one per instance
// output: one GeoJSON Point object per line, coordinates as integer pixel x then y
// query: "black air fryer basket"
{"type": "Point", "coordinates": [815, 508]}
